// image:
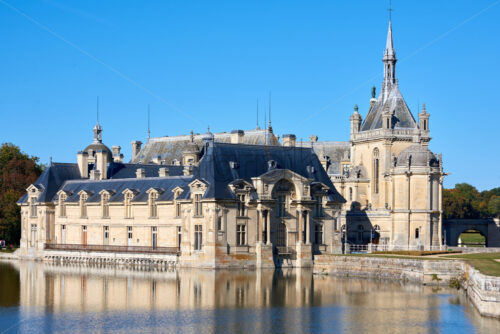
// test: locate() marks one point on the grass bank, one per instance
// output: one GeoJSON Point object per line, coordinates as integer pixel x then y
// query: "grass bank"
{"type": "Point", "coordinates": [486, 263]}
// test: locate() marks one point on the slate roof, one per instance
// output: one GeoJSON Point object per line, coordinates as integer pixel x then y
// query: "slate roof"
{"type": "Point", "coordinates": [252, 161]}
{"type": "Point", "coordinates": [170, 148]}
{"type": "Point", "coordinates": [52, 179]}
{"type": "Point", "coordinates": [335, 151]}
{"type": "Point", "coordinates": [126, 171]}
{"type": "Point", "coordinates": [221, 164]}
{"type": "Point", "coordinates": [402, 117]}
{"type": "Point", "coordinates": [139, 186]}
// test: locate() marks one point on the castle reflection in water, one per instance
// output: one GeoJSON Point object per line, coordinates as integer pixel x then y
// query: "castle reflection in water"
{"type": "Point", "coordinates": [300, 297]}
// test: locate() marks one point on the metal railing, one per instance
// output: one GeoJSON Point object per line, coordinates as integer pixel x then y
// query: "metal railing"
{"type": "Point", "coordinates": [283, 250]}
{"type": "Point", "coordinates": [370, 248]}
{"type": "Point", "coordinates": [118, 249]}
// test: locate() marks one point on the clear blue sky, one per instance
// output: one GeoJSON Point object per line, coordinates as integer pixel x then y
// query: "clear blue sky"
{"type": "Point", "coordinates": [200, 63]}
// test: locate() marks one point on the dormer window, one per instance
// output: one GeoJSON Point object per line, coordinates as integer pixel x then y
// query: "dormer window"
{"type": "Point", "coordinates": [83, 205]}
{"type": "Point", "coordinates": [198, 206]}
{"type": "Point", "coordinates": [33, 207]}
{"type": "Point", "coordinates": [153, 207]}
{"type": "Point", "coordinates": [242, 210]}
{"type": "Point", "coordinates": [62, 205]}
{"type": "Point", "coordinates": [105, 205]}
{"type": "Point", "coordinates": [128, 204]}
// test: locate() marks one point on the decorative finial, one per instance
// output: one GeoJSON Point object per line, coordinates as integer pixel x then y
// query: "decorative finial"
{"type": "Point", "coordinates": [192, 136]}
{"type": "Point", "coordinates": [390, 10]}
{"type": "Point", "coordinates": [270, 127]}
{"type": "Point", "coordinates": [97, 110]}
{"type": "Point", "coordinates": [208, 129]}
{"type": "Point", "coordinates": [424, 110]}
{"type": "Point", "coordinates": [149, 128]}
{"type": "Point", "coordinates": [50, 161]}
{"type": "Point", "coordinates": [374, 92]}
{"type": "Point", "coordinates": [356, 108]}
{"type": "Point", "coordinates": [257, 128]}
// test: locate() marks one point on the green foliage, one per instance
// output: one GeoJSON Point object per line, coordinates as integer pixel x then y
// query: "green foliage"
{"type": "Point", "coordinates": [466, 202]}
{"type": "Point", "coordinates": [17, 171]}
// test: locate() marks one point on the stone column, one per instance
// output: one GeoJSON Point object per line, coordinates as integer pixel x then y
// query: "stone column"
{"type": "Point", "coordinates": [268, 222]}
{"type": "Point", "coordinates": [301, 226]}
{"type": "Point", "coordinates": [259, 225]}
{"type": "Point", "coordinates": [308, 227]}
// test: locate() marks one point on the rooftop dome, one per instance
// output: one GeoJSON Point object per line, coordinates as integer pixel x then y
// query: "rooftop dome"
{"type": "Point", "coordinates": [93, 148]}
{"type": "Point", "coordinates": [417, 155]}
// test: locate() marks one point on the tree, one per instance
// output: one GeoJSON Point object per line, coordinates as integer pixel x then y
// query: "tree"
{"type": "Point", "coordinates": [17, 171]}
{"type": "Point", "coordinates": [494, 206]}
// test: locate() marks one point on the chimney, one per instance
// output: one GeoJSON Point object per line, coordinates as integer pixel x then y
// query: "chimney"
{"type": "Point", "coordinates": [157, 159]}
{"type": "Point", "coordinates": [117, 156]}
{"type": "Point", "coordinates": [188, 170]}
{"type": "Point", "coordinates": [140, 173]}
{"type": "Point", "coordinates": [95, 175]}
{"type": "Point", "coordinates": [237, 136]}
{"type": "Point", "coordinates": [289, 140]}
{"type": "Point", "coordinates": [163, 172]}
{"type": "Point", "coordinates": [102, 163]}
{"type": "Point", "coordinates": [136, 148]}
{"type": "Point", "coordinates": [83, 164]}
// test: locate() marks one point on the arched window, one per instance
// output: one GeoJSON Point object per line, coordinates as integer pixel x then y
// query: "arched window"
{"type": "Point", "coordinates": [282, 192]}
{"type": "Point", "coordinates": [376, 170]}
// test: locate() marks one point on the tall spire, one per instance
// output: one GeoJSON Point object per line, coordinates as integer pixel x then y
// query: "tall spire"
{"type": "Point", "coordinates": [389, 60]}
{"type": "Point", "coordinates": [149, 124]}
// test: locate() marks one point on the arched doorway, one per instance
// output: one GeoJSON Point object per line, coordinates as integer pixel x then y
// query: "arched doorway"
{"type": "Point", "coordinates": [471, 238]}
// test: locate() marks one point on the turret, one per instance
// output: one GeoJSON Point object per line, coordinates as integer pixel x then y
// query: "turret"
{"type": "Point", "coordinates": [387, 119]}
{"type": "Point", "coordinates": [355, 121]}
{"type": "Point", "coordinates": [423, 120]}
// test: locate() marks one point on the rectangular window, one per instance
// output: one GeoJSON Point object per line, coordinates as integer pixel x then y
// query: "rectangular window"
{"type": "Point", "coordinates": [106, 235]}
{"type": "Point", "coordinates": [198, 237]}
{"type": "Point", "coordinates": [417, 233]}
{"type": "Point", "coordinates": [178, 209]}
{"type": "Point", "coordinates": [84, 235]}
{"type": "Point", "coordinates": [318, 234]}
{"type": "Point", "coordinates": [377, 167]}
{"type": "Point", "coordinates": [33, 207]}
{"type": "Point", "coordinates": [129, 235]}
{"type": "Point", "coordinates": [318, 206]}
{"type": "Point", "coordinates": [241, 206]}
{"type": "Point", "coordinates": [198, 209]}
{"type": "Point", "coordinates": [281, 205]}
{"type": "Point", "coordinates": [179, 236]}
{"type": "Point", "coordinates": [154, 235]}
{"type": "Point", "coordinates": [241, 235]}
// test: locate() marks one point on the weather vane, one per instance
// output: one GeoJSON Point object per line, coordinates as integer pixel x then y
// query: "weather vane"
{"type": "Point", "coordinates": [390, 10]}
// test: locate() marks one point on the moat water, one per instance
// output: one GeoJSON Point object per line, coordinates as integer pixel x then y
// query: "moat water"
{"type": "Point", "coordinates": [42, 298]}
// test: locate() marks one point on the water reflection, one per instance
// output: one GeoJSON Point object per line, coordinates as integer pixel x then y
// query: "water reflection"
{"type": "Point", "coordinates": [53, 297]}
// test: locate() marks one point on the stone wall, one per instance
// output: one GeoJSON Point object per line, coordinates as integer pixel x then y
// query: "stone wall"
{"type": "Point", "coordinates": [484, 291]}
{"type": "Point", "coordinates": [111, 258]}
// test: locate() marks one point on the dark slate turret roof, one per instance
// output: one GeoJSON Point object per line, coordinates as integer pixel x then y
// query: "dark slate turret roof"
{"type": "Point", "coordinates": [52, 179]}
{"type": "Point", "coordinates": [395, 103]}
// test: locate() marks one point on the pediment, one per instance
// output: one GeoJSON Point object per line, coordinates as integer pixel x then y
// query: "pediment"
{"type": "Point", "coordinates": [34, 189]}
{"type": "Point", "coordinates": [240, 185]}
{"type": "Point", "coordinates": [198, 186]}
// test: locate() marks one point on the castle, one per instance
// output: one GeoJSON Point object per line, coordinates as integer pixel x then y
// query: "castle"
{"type": "Point", "coordinates": [245, 199]}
